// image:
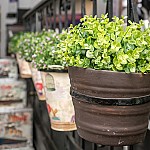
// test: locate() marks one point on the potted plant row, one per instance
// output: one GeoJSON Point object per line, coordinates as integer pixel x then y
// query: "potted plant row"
{"type": "Point", "coordinates": [22, 44]}
{"type": "Point", "coordinates": [40, 49]}
{"type": "Point", "coordinates": [47, 59]}
{"type": "Point", "coordinates": [109, 70]}
{"type": "Point", "coordinates": [13, 48]}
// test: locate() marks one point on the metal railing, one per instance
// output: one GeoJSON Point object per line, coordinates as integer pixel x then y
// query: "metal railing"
{"type": "Point", "coordinates": [60, 13]}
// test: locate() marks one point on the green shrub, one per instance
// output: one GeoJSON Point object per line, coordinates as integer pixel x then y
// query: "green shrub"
{"type": "Point", "coordinates": [103, 45]}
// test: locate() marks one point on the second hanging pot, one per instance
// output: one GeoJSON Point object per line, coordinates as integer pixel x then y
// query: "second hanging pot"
{"type": "Point", "coordinates": [60, 107]}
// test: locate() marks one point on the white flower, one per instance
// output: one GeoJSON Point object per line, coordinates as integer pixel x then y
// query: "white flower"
{"type": "Point", "coordinates": [41, 61]}
{"type": "Point", "coordinates": [33, 56]}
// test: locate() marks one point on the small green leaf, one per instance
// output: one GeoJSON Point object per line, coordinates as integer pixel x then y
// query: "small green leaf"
{"type": "Point", "coordinates": [89, 54]}
{"type": "Point", "coordinates": [112, 36]}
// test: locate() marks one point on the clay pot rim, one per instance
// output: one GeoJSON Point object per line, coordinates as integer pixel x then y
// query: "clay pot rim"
{"type": "Point", "coordinates": [110, 71]}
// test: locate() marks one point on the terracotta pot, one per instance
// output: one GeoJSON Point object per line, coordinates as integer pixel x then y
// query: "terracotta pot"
{"type": "Point", "coordinates": [111, 108]}
{"type": "Point", "coordinates": [38, 84]}
{"type": "Point", "coordinates": [60, 106]}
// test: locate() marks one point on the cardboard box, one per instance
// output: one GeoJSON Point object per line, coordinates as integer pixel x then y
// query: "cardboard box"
{"type": "Point", "coordinates": [13, 92]}
{"type": "Point", "coordinates": [16, 128]}
{"type": "Point", "coordinates": [8, 68]}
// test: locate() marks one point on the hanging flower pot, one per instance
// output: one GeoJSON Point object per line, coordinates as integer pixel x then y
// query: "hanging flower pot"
{"type": "Point", "coordinates": [41, 49]}
{"type": "Point", "coordinates": [38, 84]}
{"type": "Point", "coordinates": [24, 67]}
{"type": "Point", "coordinates": [110, 75]}
{"type": "Point", "coordinates": [60, 107]}
{"type": "Point", "coordinates": [45, 56]}
{"type": "Point", "coordinates": [111, 108]}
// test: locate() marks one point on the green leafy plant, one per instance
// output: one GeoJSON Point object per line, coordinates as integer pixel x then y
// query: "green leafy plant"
{"type": "Point", "coordinates": [12, 45]}
{"type": "Point", "coordinates": [40, 48]}
{"type": "Point", "coordinates": [47, 54]}
{"type": "Point", "coordinates": [103, 45]}
{"type": "Point", "coordinates": [26, 45]}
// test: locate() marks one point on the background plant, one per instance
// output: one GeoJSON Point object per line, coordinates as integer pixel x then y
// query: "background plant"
{"type": "Point", "coordinates": [26, 44]}
{"type": "Point", "coordinates": [12, 45]}
{"type": "Point", "coordinates": [103, 45]}
{"type": "Point", "coordinates": [40, 48]}
{"type": "Point", "coordinates": [47, 54]}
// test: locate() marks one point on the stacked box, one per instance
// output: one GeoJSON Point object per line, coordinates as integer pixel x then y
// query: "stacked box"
{"type": "Point", "coordinates": [16, 128]}
{"type": "Point", "coordinates": [8, 68]}
{"type": "Point", "coordinates": [13, 93]}
{"type": "Point", "coordinates": [15, 120]}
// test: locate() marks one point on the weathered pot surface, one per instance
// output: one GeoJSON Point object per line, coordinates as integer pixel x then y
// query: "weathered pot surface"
{"type": "Point", "coordinates": [119, 84]}
{"type": "Point", "coordinates": [110, 107]}
{"type": "Point", "coordinates": [61, 110]}
{"type": "Point", "coordinates": [111, 125]}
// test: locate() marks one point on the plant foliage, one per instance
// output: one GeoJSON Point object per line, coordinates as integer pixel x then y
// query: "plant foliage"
{"type": "Point", "coordinates": [46, 53]}
{"type": "Point", "coordinates": [39, 48]}
{"type": "Point", "coordinates": [25, 45]}
{"type": "Point", "coordinates": [103, 45]}
{"type": "Point", "coordinates": [12, 45]}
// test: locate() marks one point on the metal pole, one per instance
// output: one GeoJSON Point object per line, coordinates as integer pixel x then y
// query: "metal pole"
{"type": "Point", "coordinates": [54, 9]}
{"type": "Point", "coordinates": [110, 9]}
{"type": "Point", "coordinates": [73, 12]}
{"type": "Point", "coordinates": [46, 18]}
{"type": "Point", "coordinates": [32, 23]}
{"type": "Point", "coordinates": [129, 11]}
{"type": "Point", "coordinates": [82, 8]}
{"type": "Point", "coordinates": [60, 17]}
{"type": "Point", "coordinates": [66, 14]}
{"type": "Point", "coordinates": [38, 22]}
{"type": "Point", "coordinates": [134, 11]}
{"type": "Point", "coordinates": [42, 16]}
{"type": "Point", "coordinates": [50, 15]}
{"type": "Point", "coordinates": [94, 7]}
